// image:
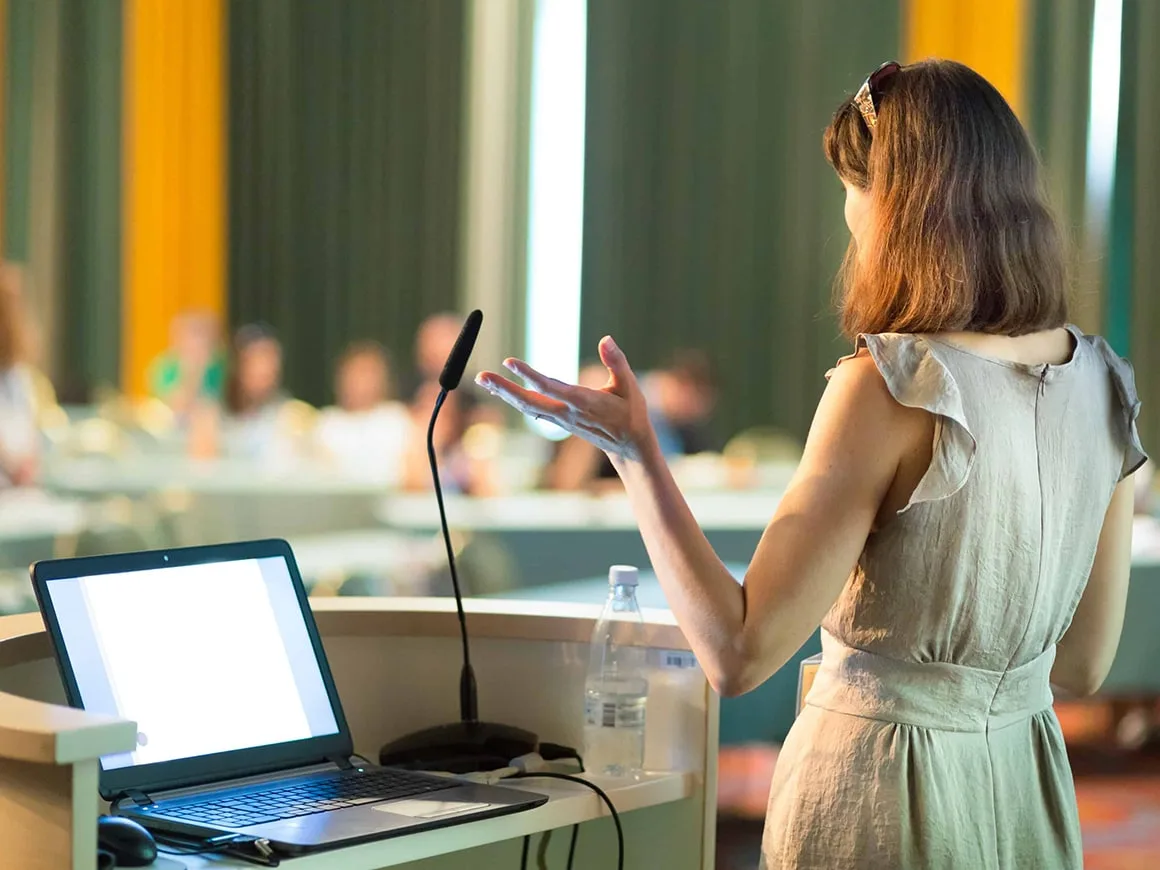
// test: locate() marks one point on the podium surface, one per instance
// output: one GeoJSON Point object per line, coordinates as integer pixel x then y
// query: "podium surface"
{"type": "Point", "coordinates": [396, 665]}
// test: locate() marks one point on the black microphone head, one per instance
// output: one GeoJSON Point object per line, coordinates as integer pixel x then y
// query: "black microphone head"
{"type": "Point", "coordinates": [457, 360]}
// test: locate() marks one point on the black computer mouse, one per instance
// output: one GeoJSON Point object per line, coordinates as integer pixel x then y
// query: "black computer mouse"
{"type": "Point", "coordinates": [129, 843]}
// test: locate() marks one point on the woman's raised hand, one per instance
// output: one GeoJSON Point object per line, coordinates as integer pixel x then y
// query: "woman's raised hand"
{"type": "Point", "coordinates": [613, 417]}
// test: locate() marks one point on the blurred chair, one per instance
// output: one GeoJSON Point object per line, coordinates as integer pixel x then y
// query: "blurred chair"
{"type": "Point", "coordinates": [16, 592]}
{"type": "Point", "coordinates": [486, 566]}
{"type": "Point", "coordinates": [118, 525]}
{"type": "Point", "coordinates": [154, 418]}
{"type": "Point", "coordinates": [51, 418]}
{"type": "Point", "coordinates": [334, 583]}
{"type": "Point", "coordinates": [297, 418]}
{"type": "Point", "coordinates": [763, 445]}
{"type": "Point", "coordinates": [483, 442]}
{"type": "Point", "coordinates": [95, 436]}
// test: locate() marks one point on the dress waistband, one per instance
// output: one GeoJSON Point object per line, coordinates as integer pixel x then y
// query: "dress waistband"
{"type": "Point", "coordinates": [936, 695]}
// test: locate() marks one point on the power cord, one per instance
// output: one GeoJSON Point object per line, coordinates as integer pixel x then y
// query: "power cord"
{"type": "Point", "coordinates": [599, 792]}
{"type": "Point", "coordinates": [262, 854]}
{"type": "Point", "coordinates": [236, 847]}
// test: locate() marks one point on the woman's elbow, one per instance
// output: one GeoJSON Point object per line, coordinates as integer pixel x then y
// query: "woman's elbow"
{"type": "Point", "coordinates": [736, 676]}
{"type": "Point", "coordinates": [1080, 682]}
{"type": "Point", "coordinates": [728, 685]}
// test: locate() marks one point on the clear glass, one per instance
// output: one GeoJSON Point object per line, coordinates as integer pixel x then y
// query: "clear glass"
{"type": "Point", "coordinates": [616, 691]}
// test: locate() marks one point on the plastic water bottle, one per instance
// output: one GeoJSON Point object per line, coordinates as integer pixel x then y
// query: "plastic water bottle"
{"type": "Point", "coordinates": [616, 691]}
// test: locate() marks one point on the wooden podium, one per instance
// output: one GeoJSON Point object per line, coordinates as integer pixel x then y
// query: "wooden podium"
{"type": "Point", "coordinates": [396, 664]}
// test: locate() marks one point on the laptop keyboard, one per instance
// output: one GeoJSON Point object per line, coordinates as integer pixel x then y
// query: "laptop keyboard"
{"type": "Point", "coordinates": [348, 789]}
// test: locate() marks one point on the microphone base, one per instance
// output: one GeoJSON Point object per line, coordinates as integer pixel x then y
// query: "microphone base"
{"type": "Point", "coordinates": [459, 747]}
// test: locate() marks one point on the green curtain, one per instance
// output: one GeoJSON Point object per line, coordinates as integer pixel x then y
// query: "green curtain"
{"type": "Point", "coordinates": [19, 39]}
{"type": "Point", "coordinates": [1058, 88]}
{"type": "Point", "coordinates": [89, 298]}
{"type": "Point", "coordinates": [1134, 255]}
{"type": "Point", "coordinates": [344, 122]}
{"type": "Point", "coordinates": [77, 283]}
{"type": "Point", "coordinates": [711, 218]}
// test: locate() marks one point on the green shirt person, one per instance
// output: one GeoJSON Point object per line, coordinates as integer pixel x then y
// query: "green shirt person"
{"type": "Point", "coordinates": [168, 376]}
{"type": "Point", "coordinates": [194, 369]}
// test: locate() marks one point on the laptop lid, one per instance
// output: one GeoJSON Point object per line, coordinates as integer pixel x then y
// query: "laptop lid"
{"type": "Point", "coordinates": [212, 651]}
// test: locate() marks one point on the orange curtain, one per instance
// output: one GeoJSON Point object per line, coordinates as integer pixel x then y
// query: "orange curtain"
{"type": "Point", "coordinates": [986, 35]}
{"type": "Point", "coordinates": [174, 172]}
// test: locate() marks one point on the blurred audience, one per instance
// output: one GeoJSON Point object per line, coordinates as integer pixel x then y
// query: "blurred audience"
{"type": "Point", "coordinates": [19, 435]}
{"type": "Point", "coordinates": [576, 464]}
{"type": "Point", "coordinates": [238, 407]}
{"type": "Point", "coordinates": [193, 370]}
{"type": "Point", "coordinates": [254, 398]}
{"type": "Point", "coordinates": [366, 433]}
{"type": "Point", "coordinates": [454, 473]}
{"type": "Point", "coordinates": [683, 396]}
{"type": "Point", "coordinates": [433, 342]}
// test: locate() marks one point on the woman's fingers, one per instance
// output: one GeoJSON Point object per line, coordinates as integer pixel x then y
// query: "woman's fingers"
{"type": "Point", "coordinates": [523, 400]}
{"type": "Point", "coordinates": [566, 416]}
{"type": "Point", "coordinates": [616, 362]}
{"type": "Point", "coordinates": [575, 396]}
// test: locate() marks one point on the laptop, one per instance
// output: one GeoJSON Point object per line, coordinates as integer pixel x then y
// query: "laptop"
{"type": "Point", "coordinates": [214, 653]}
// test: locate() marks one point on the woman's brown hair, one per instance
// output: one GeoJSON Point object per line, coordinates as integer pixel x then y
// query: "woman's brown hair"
{"type": "Point", "coordinates": [13, 327]}
{"type": "Point", "coordinates": [963, 238]}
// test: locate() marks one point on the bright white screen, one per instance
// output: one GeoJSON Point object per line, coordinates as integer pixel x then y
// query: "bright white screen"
{"type": "Point", "coordinates": [204, 658]}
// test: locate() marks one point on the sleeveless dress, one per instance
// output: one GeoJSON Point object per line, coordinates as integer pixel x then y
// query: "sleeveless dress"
{"type": "Point", "coordinates": [928, 738]}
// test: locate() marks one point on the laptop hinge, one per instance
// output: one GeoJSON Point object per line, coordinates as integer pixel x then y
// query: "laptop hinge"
{"type": "Point", "coordinates": [139, 797]}
{"type": "Point", "coordinates": [341, 762]}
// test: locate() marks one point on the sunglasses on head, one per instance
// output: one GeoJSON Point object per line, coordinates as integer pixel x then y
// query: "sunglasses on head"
{"type": "Point", "coordinates": [870, 95]}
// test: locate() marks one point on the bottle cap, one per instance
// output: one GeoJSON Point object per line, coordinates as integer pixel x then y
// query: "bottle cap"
{"type": "Point", "coordinates": [623, 575]}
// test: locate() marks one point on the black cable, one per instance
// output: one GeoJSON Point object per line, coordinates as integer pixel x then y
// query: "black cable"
{"type": "Point", "coordinates": [572, 846]}
{"type": "Point", "coordinates": [234, 849]}
{"type": "Point", "coordinates": [599, 792]}
{"type": "Point", "coordinates": [524, 853]}
{"type": "Point", "coordinates": [169, 844]}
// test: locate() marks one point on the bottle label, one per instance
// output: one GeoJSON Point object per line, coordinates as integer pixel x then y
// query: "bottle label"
{"type": "Point", "coordinates": [614, 713]}
{"type": "Point", "coordinates": [676, 659]}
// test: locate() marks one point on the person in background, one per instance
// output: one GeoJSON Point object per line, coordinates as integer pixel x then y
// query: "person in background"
{"type": "Point", "coordinates": [685, 394]}
{"type": "Point", "coordinates": [254, 397]}
{"type": "Point", "coordinates": [19, 436]}
{"type": "Point", "coordinates": [433, 343]}
{"type": "Point", "coordinates": [366, 433]}
{"type": "Point", "coordinates": [455, 467]}
{"type": "Point", "coordinates": [192, 371]}
{"type": "Point", "coordinates": [577, 464]}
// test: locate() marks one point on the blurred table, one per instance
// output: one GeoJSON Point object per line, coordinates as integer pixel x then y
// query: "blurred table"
{"type": "Point", "coordinates": [554, 537]}
{"type": "Point", "coordinates": [225, 499]}
{"type": "Point", "coordinates": [31, 522]}
{"type": "Point", "coordinates": [146, 473]}
{"type": "Point", "coordinates": [369, 562]}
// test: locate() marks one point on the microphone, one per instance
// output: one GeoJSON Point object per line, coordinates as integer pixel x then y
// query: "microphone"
{"type": "Point", "coordinates": [456, 363]}
{"type": "Point", "coordinates": [466, 746]}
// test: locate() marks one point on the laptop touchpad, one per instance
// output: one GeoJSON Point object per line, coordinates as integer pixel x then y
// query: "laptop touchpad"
{"type": "Point", "coordinates": [426, 809]}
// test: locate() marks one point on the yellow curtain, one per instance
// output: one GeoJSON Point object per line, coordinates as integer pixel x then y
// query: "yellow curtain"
{"type": "Point", "coordinates": [174, 172]}
{"type": "Point", "coordinates": [986, 35]}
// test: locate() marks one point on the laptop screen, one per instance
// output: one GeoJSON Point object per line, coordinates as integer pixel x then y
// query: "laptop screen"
{"type": "Point", "coordinates": [205, 658]}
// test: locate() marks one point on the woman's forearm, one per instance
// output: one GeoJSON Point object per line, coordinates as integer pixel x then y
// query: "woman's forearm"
{"type": "Point", "coordinates": [707, 601]}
